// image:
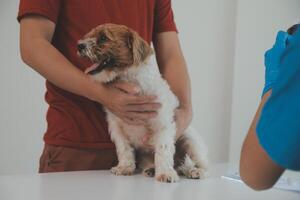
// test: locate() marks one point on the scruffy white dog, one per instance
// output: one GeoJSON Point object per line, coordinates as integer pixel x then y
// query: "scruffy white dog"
{"type": "Point", "coordinates": [120, 53]}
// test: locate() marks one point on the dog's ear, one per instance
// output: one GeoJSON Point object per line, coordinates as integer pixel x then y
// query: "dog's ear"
{"type": "Point", "coordinates": [141, 50]}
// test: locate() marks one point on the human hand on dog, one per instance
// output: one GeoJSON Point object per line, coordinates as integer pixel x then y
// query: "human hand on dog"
{"type": "Point", "coordinates": [124, 101]}
{"type": "Point", "coordinates": [183, 118]}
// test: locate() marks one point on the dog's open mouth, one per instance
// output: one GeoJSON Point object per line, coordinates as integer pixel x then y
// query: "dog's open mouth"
{"type": "Point", "coordinates": [98, 67]}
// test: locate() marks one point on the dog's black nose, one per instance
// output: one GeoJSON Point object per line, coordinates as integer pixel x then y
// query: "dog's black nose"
{"type": "Point", "coordinates": [81, 46]}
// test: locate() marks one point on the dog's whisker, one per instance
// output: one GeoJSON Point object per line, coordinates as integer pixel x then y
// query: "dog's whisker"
{"type": "Point", "coordinates": [90, 54]}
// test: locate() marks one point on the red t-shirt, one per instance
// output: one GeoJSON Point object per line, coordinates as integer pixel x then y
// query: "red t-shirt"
{"type": "Point", "coordinates": [73, 120]}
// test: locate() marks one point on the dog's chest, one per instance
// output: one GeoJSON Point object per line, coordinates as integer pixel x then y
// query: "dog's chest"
{"type": "Point", "coordinates": [140, 137]}
{"type": "Point", "coordinates": [151, 83]}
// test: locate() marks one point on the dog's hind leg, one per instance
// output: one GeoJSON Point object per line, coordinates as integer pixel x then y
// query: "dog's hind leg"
{"type": "Point", "coordinates": [188, 169]}
{"type": "Point", "coordinates": [193, 145]}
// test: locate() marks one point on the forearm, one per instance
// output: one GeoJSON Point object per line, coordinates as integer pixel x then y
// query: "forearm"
{"type": "Point", "coordinates": [264, 99]}
{"type": "Point", "coordinates": [175, 72]}
{"type": "Point", "coordinates": [53, 66]}
{"type": "Point", "coordinates": [257, 169]}
{"type": "Point", "coordinates": [173, 67]}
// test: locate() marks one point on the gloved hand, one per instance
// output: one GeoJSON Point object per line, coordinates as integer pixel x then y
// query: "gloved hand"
{"type": "Point", "coordinates": [272, 59]}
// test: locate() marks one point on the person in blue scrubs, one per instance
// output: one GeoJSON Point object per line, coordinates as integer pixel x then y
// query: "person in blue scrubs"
{"type": "Point", "coordinates": [272, 144]}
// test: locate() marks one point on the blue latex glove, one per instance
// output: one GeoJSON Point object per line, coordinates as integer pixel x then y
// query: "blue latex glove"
{"type": "Point", "coordinates": [278, 129]}
{"type": "Point", "coordinates": [272, 59]}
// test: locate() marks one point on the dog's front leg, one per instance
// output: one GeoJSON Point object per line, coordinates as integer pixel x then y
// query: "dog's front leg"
{"type": "Point", "coordinates": [164, 156]}
{"type": "Point", "coordinates": [126, 158]}
{"type": "Point", "coordinates": [125, 152]}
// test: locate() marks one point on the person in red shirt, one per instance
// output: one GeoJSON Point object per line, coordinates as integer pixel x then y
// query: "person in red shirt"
{"type": "Point", "coordinates": [77, 137]}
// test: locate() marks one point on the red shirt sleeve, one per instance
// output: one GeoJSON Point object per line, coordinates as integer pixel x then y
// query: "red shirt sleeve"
{"type": "Point", "coordinates": [46, 8]}
{"type": "Point", "coordinates": [164, 17]}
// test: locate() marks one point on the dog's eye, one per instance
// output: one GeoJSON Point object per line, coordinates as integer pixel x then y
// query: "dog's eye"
{"type": "Point", "coordinates": [102, 39]}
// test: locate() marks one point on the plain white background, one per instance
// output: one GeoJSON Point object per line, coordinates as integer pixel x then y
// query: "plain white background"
{"type": "Point", "coordinates": [223, 42]}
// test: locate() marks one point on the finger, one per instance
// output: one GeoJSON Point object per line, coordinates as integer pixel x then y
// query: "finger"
{"type": "Point", "coordinates": [129, 88]}
{"type": "Point", "coordinates": [141, 115]}
{"type": "Point", "coordinates": [152, 107]}
{"type": "Point", "coordinates": [134, 122]}
{"type": "Point", "coordinates": [281, 39]}
{"type": "Point", "coordinates": [141, 99]}
{"type": "Point", "coordinates": [131, 120]}
{"type": "Point", "coordinates": [179, 134]}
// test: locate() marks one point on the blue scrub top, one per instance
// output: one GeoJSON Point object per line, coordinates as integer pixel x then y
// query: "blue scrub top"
{"type": "Point", "coordinates": [278, 128]}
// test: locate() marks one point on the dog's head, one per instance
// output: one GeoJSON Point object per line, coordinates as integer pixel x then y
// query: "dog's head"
{"type": "Point", "coordinates": [113, 49]}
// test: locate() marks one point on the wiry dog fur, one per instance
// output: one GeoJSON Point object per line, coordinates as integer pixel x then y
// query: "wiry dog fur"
{"type": "Point", "coordinates": [120, 53]}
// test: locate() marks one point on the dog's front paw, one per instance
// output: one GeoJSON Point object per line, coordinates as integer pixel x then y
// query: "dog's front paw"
{"type": "Point", "coordinates": [170, 176]}
{"type": "Point", "coordinates": [123, 170]}
{"type": "Point", "coordinates": [197, 173]}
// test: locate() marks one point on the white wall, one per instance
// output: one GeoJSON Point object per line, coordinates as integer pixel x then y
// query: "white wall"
{"type": "Point", "coordinates": [207, 34]}
{"type": "Point", "coordinates": [207, 30]}
{"type": "Point", "coordinates": [257, 24]}
{"type": "Point", "coordinates": [22, 109]}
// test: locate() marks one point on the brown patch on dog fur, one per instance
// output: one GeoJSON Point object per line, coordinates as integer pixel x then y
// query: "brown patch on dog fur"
{"type": "Point", "coordinates": [140, 49]}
